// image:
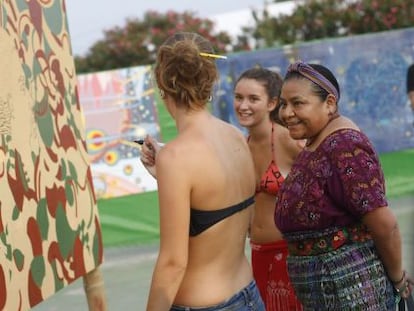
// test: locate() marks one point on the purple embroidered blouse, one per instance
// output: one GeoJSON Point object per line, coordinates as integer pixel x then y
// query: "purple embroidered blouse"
{"type": "Point", "coordinates": [335, 185]}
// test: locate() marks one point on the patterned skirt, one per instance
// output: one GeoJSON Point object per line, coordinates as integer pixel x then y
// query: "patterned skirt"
{"type": "Point", "coordinates": [351, 277]}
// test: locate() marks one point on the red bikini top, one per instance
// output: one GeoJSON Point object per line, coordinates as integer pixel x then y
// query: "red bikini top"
{"type": "Point", "coordinates": [271, 179]}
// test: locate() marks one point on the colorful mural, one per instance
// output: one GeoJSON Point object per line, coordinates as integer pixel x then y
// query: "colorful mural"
{"type": "Point", "coordinates": [371, 70]}
{"type": "Point", "coordinates": [119, 107]}
{"type": "Point", "coordinates": [49, 227]}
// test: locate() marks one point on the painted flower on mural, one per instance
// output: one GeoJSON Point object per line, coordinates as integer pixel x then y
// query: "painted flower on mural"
{"type": "Point", "coordinates": [111, 157]}
{"type": "Point", "coordinates": [128, 169]}
{"type": "Point", "coordinates": [95, 140]}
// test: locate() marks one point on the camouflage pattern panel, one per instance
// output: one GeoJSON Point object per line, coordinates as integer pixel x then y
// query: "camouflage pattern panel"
{"type": "Point", "coordinates": [50, 232]}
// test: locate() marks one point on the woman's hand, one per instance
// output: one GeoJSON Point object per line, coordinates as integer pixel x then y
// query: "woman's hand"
{"type": "Point", "coordinates": [149, 151]}
{"type": "Point", "coordinates": [404, 286]}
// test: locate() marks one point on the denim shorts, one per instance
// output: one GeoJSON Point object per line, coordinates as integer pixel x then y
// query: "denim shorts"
{"type": "Point", "coordinates": [248, 299]}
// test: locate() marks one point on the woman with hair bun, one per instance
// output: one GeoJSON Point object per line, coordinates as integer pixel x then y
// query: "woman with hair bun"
{"type": "Point", "coordinates": [206, 186]}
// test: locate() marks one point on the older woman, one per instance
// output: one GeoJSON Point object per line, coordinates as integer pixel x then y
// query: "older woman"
{"type": "Point", "coordinates": [344, 242]}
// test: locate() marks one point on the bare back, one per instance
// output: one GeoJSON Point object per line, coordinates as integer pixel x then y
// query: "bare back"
{"type": "Point", "coordinates": [218, 172]}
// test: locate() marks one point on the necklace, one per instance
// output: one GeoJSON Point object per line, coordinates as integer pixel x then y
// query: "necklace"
{"type": "Point", "coordinates": [312, 139]}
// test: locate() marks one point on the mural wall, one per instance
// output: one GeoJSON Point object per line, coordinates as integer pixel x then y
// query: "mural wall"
{"type": "Point", "coordinates": [119, 107]}
{"type": "Point", "coordinates": [371, 70]}
{"type": "Point", "coordinates": [49, 227]}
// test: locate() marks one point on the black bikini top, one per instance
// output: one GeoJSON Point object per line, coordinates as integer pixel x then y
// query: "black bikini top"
{"type": "Point", "coordinates": [202, 220]}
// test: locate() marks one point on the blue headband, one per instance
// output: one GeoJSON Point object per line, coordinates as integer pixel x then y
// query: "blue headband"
{"type": "Point", "coordinates": [314, 76]}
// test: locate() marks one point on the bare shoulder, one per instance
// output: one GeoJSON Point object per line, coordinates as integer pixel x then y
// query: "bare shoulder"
{"type": "Point", "coordinates": [232, 127]}
{"type": "Point", "coordinates": [177, 166]}
{"type": "Point", "coordinates": [281, 132]}
{"type": "Point", "coordinates": [173, 155]}
{"type": "Point", "coordinates": [344, 122]}
{"type": "Point", "coordinates": [236, 134]}
{"type": "Point", "coordinates": [292, 146]}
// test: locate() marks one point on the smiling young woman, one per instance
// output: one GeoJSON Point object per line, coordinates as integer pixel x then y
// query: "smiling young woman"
{"type": "Point", "coordinates": [256, 95]}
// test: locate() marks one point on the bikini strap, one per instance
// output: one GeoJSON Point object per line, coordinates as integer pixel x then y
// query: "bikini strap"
{"type": "Point", "coordinates": [272, 141]}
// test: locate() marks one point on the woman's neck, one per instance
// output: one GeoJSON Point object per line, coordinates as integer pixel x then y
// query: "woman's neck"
{"type": "Point", "coordinates": [261, 131]}
{"type": "Point", "coordinates": [186, 118]}
{"type": "Point", "coordinates": [310, 142]}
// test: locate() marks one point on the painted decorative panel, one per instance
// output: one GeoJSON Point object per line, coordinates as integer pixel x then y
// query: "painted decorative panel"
{"type": "Point", "coordinates": [49, 226]}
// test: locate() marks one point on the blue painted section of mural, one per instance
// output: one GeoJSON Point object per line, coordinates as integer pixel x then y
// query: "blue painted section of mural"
{"type": "Point", "coordinates": [371, 70]}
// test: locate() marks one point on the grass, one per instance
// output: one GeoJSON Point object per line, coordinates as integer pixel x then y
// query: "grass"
{"type": "Point", "coordinates": [129, 220]}
{"type": "Point", "coordinates": [399, 172]}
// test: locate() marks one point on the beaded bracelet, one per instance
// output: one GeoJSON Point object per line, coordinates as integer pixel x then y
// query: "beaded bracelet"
{"type": "Point", "coordinates": [404, 282]}
{"type": "Point", "coordinates": [400, 280]}
{"type": "Point", "coordinates": [402, 288]}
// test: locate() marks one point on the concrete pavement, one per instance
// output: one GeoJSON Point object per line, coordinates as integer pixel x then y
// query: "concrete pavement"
{"type": "Point", "coordinates": [127, 271]}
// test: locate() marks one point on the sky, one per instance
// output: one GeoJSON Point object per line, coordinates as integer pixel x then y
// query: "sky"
{"type": "Point", "coordinates": [87, 19]}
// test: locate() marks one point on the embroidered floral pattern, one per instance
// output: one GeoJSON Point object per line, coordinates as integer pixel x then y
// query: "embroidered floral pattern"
{"type": "Point", "coordinates": [323, 243]}
{"type": "Point", "coordinates": [334, 185]}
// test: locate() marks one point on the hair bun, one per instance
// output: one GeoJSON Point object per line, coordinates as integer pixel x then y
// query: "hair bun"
{"type": "Point", "coordinates": [188, 61]}
{"type": "Point", "coordinates": [182, 73]}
